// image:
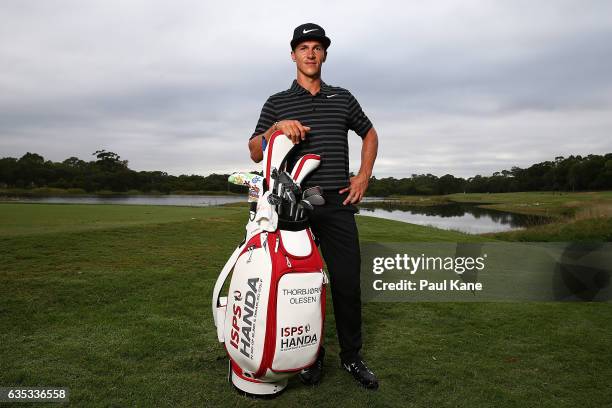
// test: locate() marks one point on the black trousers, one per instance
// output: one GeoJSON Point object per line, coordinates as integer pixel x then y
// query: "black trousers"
{"type": "Point", "coordinates": [334, 225]}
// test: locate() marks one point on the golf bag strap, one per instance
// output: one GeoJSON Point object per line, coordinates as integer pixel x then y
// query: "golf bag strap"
{"type": "Point", "coordinates": [229, 265]}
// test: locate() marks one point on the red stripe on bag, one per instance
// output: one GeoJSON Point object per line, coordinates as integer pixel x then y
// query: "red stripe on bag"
{"type": "Point", "coordinates": [269, 153]}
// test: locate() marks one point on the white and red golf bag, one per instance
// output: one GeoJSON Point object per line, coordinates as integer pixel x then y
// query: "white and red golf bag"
{"type": "Point", "coordinates": [271, 321]}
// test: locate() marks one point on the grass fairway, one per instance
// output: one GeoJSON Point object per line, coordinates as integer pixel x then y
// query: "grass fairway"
{"type": "Point", "coordinates": [114, 303]}
{"type": "Point", "coordinates": [552, 204]}
{"type": "Point", "coordinates": [27, 219]}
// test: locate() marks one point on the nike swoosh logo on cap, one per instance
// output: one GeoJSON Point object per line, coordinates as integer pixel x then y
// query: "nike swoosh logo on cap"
{"type": "Point", "coordinates": [307, 31]}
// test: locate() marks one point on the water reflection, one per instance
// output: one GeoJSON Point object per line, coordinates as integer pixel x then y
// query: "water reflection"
{"type": "Point", "coordinates": [453, 216]}
{"type": "Point", "coordinates": [182, 200]}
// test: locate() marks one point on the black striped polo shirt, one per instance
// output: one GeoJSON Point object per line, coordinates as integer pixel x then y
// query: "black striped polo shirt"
{"type": "Point", "coordinates": [329, 114]}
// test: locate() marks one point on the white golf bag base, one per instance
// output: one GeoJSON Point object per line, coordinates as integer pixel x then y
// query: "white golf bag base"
{"type": "Point", "coordinates": [257, 389]}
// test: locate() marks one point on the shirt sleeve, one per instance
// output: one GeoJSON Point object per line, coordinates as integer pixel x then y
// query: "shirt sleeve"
{"type": "Point", "coordinates": [357, 120]}
{"type": "Point", "coordinates": [266, 118]}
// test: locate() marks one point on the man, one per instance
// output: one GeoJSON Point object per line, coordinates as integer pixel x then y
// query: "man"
{"type": "Point", "coordinates": [317, 117]}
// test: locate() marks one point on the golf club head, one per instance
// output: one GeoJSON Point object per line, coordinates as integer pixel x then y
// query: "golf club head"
{"type": "Point", "coordinates": [277, 150]}
{"type": "Point", "coordinates": [287, 183]}
{"type": "Point", "coordinates": [316, 190]}
{"type": "Point", "coordinates": [302, 205]}
{"type": "Point", "coordinates": [307, 205]}
{"type": "Point", "coordinates": [290, 196]}
{"type": "Point", "coordinates": [274, 199]}
{"type": "Point", "coordinates": [315, 199]}
{"type": "Point", "coordinates": [304, 166]}
{"type": "Point", "coordinates": [285, 178]}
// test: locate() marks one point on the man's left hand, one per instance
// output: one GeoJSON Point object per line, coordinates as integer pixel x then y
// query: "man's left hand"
{"type": "Point", "coordinates": [358, 187]}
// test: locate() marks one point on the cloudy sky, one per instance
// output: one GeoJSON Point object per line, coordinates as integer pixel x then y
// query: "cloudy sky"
{"type": "Point", "coordinates": [459, 87]}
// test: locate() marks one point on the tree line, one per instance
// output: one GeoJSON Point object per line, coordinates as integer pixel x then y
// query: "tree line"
{"type": "Point", "coordinates": [573, 173]}
{"type": "Point", "coordinates": [108, 172]}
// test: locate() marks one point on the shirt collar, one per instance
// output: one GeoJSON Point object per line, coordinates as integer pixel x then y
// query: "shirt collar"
{"type": "Point", "coordinates": [297, 88]}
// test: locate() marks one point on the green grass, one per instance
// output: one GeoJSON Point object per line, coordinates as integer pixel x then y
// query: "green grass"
{"type": "Point", "coordinates": [589, 229]}
{"type": "Point", "coordinates": [547, 203]}
{"type": "Point", "coordinates": [114, 303]}
{"type": "Point", "coordinates": [25, 219]}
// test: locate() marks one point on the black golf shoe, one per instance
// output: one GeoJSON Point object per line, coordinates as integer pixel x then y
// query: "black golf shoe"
{"type": "Point", "coordinates": [362, 374]}
{"type": "Point", "coordinates": [312, 375]}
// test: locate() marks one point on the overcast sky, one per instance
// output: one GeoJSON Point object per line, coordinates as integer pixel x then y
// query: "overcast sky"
{"type": "Point", "coordinates": [459, 87]}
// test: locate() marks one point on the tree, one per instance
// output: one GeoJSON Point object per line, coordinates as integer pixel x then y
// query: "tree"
{"type": "Point", "coordinates": [109, 160]}
{"type": "Point", "coordinates": [8, 171]}
{"type": "Point", "coordinates": [74, 162]}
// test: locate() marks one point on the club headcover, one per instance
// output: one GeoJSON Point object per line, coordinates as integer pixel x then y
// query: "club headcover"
{"type": "Point", "coordinates": [253, 181]}
{"type": "Point", "coordinates": [276, 151]}
{"type": "Point", "coordinates": [304, 166]}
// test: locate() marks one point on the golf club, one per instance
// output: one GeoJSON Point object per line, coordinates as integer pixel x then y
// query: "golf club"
{"type": "Point", "coordinates": [315, 199]}
{"type": "Point", "coordinates": [292, 199]}
{"type": "Point", "coordinates": [274, 199]}
{"type": "Point", "coordinates": [304, 204]}
{"type": "Point", "coordinates": [316, 190]}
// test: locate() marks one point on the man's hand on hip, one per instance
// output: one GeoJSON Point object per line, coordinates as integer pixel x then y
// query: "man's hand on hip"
{"type": "Point", "coordinates": [293, 129]}
{"type": "Point", "coordinates": [358, 187]}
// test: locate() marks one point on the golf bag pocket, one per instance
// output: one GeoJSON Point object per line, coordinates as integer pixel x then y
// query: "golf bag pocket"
{"type": "Point", "coordinates": [299, 320]}
{"type": "Point", "coordinates": [296, 244]}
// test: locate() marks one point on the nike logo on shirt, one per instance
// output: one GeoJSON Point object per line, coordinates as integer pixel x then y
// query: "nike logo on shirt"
{"type": "Point", "coordinates": [331, 96]}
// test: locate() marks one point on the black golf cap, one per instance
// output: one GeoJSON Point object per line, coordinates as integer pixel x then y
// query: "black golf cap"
{"type": "Point", "coordinates": [309, 31]}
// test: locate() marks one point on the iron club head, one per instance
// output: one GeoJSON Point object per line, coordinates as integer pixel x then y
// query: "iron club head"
{"type": "Point", "coordinates": [307, 205]}
{"type": "Point", "coordinates": [315, 199]}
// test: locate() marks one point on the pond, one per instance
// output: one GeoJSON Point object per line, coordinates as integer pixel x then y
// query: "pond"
{"type": "Point", "coordinates": [183, 200]}
{"type": "Point", "coordinates": [461, 217]}
{"type": "Point", "coordinates": [467, 218]}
